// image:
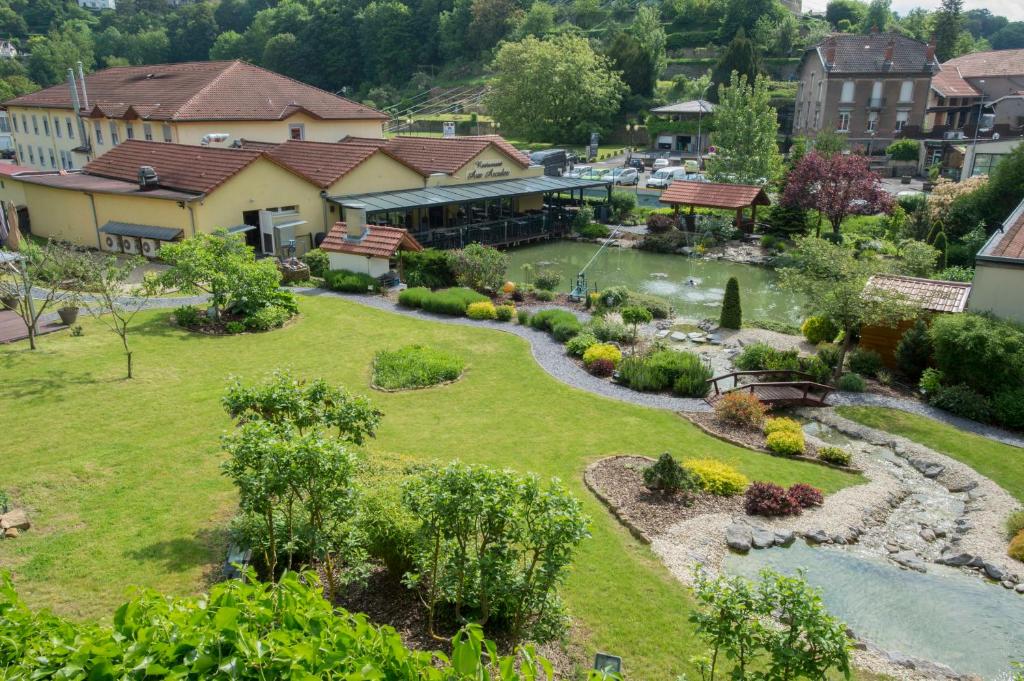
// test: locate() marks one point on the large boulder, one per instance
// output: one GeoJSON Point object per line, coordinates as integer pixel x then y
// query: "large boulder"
{"type": "Point", "coordinates": [17, 519]}
{"type": "Point", "coordinates": [994, 572]}
{"type": "Point", "coordinates": [816, 536]}
{"type": "Point", "coordinates": [955, 559]}
{"type": "Point", "coordinates": [739, 537]}
{"type": "Point", "coordinates": [762, 539]}
{"type": "Point", "coordinates": [909, 560]}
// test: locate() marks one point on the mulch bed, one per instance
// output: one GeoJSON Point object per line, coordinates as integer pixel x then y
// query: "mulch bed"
{"type": "Point", "coordinates": [747, 437]}
{"type": "Point", "coordinates": [619, 481]}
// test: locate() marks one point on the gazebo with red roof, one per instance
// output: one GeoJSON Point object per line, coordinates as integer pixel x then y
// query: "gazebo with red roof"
{"type": "Point", "coordinates": [735, 197]}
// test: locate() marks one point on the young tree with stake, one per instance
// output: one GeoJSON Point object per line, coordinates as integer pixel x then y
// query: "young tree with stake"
{"type": "Point", "coordinates": [114, 303]}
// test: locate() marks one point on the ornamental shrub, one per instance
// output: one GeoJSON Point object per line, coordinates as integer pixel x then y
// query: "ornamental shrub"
{"type": "Point", "coordinates": [451, 301]}
{"type": "Point", "coordinates": [834, 455]}
{"type": "Point", "coordinates": [740, 409]}
{"type": "Point", "coordinates": [914, 350]}
{"type": "Point", "coordinates": [864, 361]}
{"type": "Point", "coordinates": [761, 356]}
{"type": "Point", "coordinates": [234, 327]}
{"type": "Point", "coordinates": [481, 310]}
{"type": "Point", "coordinates": [479, 267]}
{"type": "Point", "coordinates": [1008, 407]}
{"type": "Point", "coordinates": [785, 443]}
{"type": "Point", "coordinates": [545, 320]}
{"type": "Point", "coordinates": [815, 366]}
{"type": "Point", "coordinates": [852, 383]}
{"type": "Point", "coordinates": [544, 296]}
{"type": "Point", "coordinates": [415, 366]}
{"type": "Point", "coordinates": [661, 369]}
{"type": "Point", "coordinates": [609, 331]}
{"type": "Point", "coordinates": [187, 316]}
{"type": "Point", "coordinates": [602, 351]}
{"type": "Point", "coordinates": [819, 330]}
{"type": "Point", "coordinates": [732, 312]}
{"type": "Point", "coordinates": [659, 223]}
{"type": "Point", "coordinates": [350, 282]}
{"type": "Point", "coordinates": [1016, 550]}
{"type": "Point", "coordinates": [317, 261]}
{"type": "Point", "coordinates": [829, 354]}
{"type": "Point", "coordinates": [979, 351]}
{"type": "Point", "coordinates": [1015, 524]}
{"type": "Point", "coordinates": [768, 499]}
{"type": "Point", "coordinates": [267, 318]}
{"type": "Point", "coordinates": [547, 280]}
{"type": "Point", "coordinates": [805, 496]}
{"type": "Point", "coordinates": [619, 296]}
{"type": "Point", "coordinates": [931, 381]}
{"type": "Point", "coordinates": [593, 230]}
{"type": "Point", "coordinates": [962, 400]}
{"type": "Point", "coordinates": [523, 317]}
{"type": "Point", "coordinates": [505, 313]}
{"type": "Point", "coordinates": [716, 477]}
{"type": "Point", "coordinates": [692, 380]}
{"type": "Point", "coordinates": [430, 268]}
{"type": "Point", "coordinates": [602, 368]}
{"type": "Point", "coordinates": [413, 297]}
{"type": "Point", "coordinates": [666, 475]}
{"type": "Point", "coordinates": [565, 330]}
{"type": "Point", "coordinates": [579, 344]}
{"type": "Point", "coordinates": [782, 424]}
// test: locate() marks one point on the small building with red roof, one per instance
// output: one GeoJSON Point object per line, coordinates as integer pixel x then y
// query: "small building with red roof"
{"type": "Point", "coordinates": [999, 271]}
{"type": "Point", "coordinates": [369, 249]}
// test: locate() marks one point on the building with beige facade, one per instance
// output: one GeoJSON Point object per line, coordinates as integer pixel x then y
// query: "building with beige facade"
{"type": "Point", "coordinates": [999, 271]}
{"type": "Point", "coordinates": [67, 126]}
{"type": "Point", "coordinates": [872, 88]}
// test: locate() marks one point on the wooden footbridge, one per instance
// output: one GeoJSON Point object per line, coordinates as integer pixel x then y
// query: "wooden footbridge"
{"type": "Point", "coordinates": [783, 388]}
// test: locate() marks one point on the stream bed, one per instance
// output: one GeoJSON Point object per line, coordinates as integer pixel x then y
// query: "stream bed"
{"type": "Point", "coordinates": [943, 614]}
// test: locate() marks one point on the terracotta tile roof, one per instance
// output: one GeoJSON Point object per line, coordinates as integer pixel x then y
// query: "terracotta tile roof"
{"type": "Point", "coordinates": [928, 294]}
{"type": "Point", "coordinates": [866, 54]}
{"type": "Point", "coordinates": [992, 63]}
{"type": "Point", "coordinates": [95, 184]}
{"type": "Point", "coordinates": [441, 155]}
{"type": "Point", "coordinates": [711, 195]}
{"type": "Point", "coordinates": [178, 166]}
{"type": "Point", "coordinates": [322, 163]}
{"type": "Point", "coordinates": [949, 83]}
{"type": "Point", "coordinates": [198, 91]}
{"type": "Point", "coordinates": [378, 242]}
{"type": "Point", "coordinates": [11, 169]}
{"type": "Point", "coordinates": [1008, 241]}
{"type": "Point", "coordinates": [256, 145]}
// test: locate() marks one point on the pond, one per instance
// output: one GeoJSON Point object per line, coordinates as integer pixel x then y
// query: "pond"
{"type": "Point", "coordinates": [667, 276]}
{"type": "Point", "coordinates": [943, 615]}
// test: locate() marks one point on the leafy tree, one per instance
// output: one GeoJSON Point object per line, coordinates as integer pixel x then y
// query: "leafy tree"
{"type": "Point", "coordinates": [740, 56]}
{"type": "Point", "coordinates": [732, 312]}
{"type": "Point", "coordinates": [53, 54]}
{"type": "Point", "coordinates": [833, 279]}
{"type": "Point", "coordinates": [228, 45]}
{"type": "Point", "coordinates": [553, 89]}
{"type": "Point", "coordinates": [914, 351]}
{"type": "Point", "coordinates": [837, 187]}
{"type": "Point", "coordinates": [494, 545]}
{"type": "Point", "coordinates": [904, 150]}
{"type": "Point", "coordinates": [479, 267]}
{"type": "Point", "coordinates": [384, 24]}
{"type": "Point", "coordinates": [778, 36]}
{"type": "Point", "coordinates": [222, 265]}
{"type": "Point", "coordinates": [192, 31]}
{"type": "Point", "coordinates": [147, 47]}
{"type": "Point", "coordinates": [917, 259]}
{"type": "Point", "coordinates": [492, 21]}
{"type": "Point", "coordinates": [633, 316]}
{"type": "Point", "coordinates": [878, 16]}
{"type": "Point", "coordinates": [743, 15]}
{"type": "Point", "coordinates": [282, 55]}
{"type": "Point", "coordinates": [12, 24]}
{"type": "Point", "coordinates": [115, 303]}
{"type": "Point", "coordinates": [850, 11]}
{"type": "Point", "coordinates": [745, 134]}
{"type": "Point", "coordinates": [453, 28]}
{"type": "Point", "coordinates": [647, 28]}
{"type": "Point", "coordinates": [587, 14]}
{"type": "Point", "coordinates": [236, 15]}
{"type": "Point", "coordinates": [538, 21]}
{"type": "Point", "coordinates": [629, 57]}
{"type": "Point", "coordinates": [948, 25]}
{"type": "Point", "coordinates": [1010, 37]}
{"type": "Point", "coordinates": [829, 143]}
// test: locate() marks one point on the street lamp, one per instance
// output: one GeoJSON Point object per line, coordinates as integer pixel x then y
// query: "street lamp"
{"type": "Point", "coordinates": [977, 128]}
{"type": "Point", "coordinates": [700, 116]}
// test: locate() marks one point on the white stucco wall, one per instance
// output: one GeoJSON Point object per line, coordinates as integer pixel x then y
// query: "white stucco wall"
{"type": "Point", "coordinates": [995, 289]}
{"type": "Point", "coordinates": [375, 267]}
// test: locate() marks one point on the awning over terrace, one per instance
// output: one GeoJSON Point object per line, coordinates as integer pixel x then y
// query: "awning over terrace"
{"type": "Point", "coordinates": [466, 193]}
{"type": "Point", "coordinates": [142, 231]}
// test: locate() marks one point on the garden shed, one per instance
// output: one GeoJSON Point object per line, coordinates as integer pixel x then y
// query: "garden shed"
{"type": "Point", "coordinates": [931, 296]}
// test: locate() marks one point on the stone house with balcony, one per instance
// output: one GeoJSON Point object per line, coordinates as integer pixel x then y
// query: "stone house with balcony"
{"type": "Point", "coordinates": [871, 88]}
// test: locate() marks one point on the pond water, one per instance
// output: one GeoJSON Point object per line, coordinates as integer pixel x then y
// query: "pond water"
{"type": "Point", "coordinates": [667, 276]}
{"type": "Point", "coordinates": [943, 615]}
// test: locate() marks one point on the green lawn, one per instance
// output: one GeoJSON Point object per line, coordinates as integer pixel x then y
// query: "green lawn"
{"type": "Point", "coordinates": [1004, 464]}
{"type": "Point", "coordinates": [122, 480]}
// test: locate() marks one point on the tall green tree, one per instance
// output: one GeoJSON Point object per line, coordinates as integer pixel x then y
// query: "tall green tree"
{"type": "Point", "coordinates": [554, 89]}
{"type": "Point", "coordinates": [634, 63]}
{"type": "Point", "coordinates": [746, 130]}
{"type": "Point", "coordinates": [948, 25]}
{"type": "Point", "coordinates": [743, 14]}
{"type": "Point", "coordinates": [1010, 37]}
{"type": "Point", "coordinates": [53, 54]}
{"type": "Point", "coordinates": [878, 17]}
{"type": "Point", "coordinates": [192, 31]}
{"type": "Point", "coordinates": [647, 28]}
{"type": "Point", "coordinates": [850, 11]}
{"type": "Point", "coordinates": [384, 24]}
{"type": "Point", "coordinates": [538, 21]}
{"type": "Point", "coordinates": [741, 56]}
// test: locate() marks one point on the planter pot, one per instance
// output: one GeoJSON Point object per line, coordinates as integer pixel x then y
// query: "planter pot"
{"type": "Point", "coordinates": [68, 315]}
{"type": "Point", "coordinates": [9, 302]}
{"type": "Point", "coordinates": [905, 179]}
{"type": "Point", "coordinates": [928, 186]}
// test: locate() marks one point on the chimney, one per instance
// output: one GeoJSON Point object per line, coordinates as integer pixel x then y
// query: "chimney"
{"type": "Point", "coordinates": [889, 49]}
{"type": "Point", "coordinates": [355, 221]}
{"type": "Point", "coordinates": [930, 52]}
{"type": "Point", "coordinates": [74, 91]}
{"type": "Point", "coordinates": [830, 52]}
{"type": "Point", "coordinates": [81, 77]}
{"type": "Point", "coordinates": [874, 29]}
{"type": "Point", "coordinates": [148, 178]}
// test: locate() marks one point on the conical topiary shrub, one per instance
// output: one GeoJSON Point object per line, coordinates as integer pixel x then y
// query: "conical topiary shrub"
{"type": "Point", "coordinates": [732, 313]}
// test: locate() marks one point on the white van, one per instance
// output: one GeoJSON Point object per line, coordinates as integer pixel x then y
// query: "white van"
{"type": "Point", "coordinates": [666, 176]}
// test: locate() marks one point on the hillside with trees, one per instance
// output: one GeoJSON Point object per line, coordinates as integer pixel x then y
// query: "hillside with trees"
{"type": "Point", "coordinates": [628, 54]}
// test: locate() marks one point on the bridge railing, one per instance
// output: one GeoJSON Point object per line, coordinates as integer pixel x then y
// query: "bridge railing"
{"type": "Point", "coordinates": [737, 375]}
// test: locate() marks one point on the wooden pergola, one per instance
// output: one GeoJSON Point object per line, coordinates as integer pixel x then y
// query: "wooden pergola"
{"type": "Point", "coordinates": [735, 197]}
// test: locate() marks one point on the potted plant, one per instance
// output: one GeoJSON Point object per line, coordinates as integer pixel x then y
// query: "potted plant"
{"type": "Point", "coordinates": [68, 311]}
{"type": "Point", "coordinates": [933, 177]}
{"type": "Point", "coordinates": [9, 296]}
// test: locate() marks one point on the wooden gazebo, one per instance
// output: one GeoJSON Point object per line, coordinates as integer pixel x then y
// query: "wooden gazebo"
{"type": "Point", "coordinates": [735, 197]}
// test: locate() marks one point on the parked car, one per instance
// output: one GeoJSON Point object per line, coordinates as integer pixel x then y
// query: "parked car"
{"type": "Point", "coordinates": [637, 163]}
{"type": "Point", "coordinates": [579, 171]}
{"type": "Point", "coordinates": [625, 176]}
{"type": "Point", "coordinates": [691, 166]}
{"type": "Point", "coordinates": [663, 177]}
{"type": "Point", "coordinates": [598, 174]}
{"type": "Point", "coordinates": [659, 163]}
{"type": "Point", "coordinates": [555, 161]}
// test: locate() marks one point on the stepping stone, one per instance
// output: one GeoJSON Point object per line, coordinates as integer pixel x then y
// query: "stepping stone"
{"type": "Point", "coordinates": [739, 537]}
{"type": "Point", "coordinates": [955, 559]}
{"type": "Point", "coordinates": [962, 486]}
{"type": "Point", "coordinates": [16, 519]}
{"type": "Point", "coordinates": [909, 559]}
{"type": "Point", "coordinates": [994, 572]}
{"type": "Point", "coordinates": [763, 539]}
{"type": "Point", "coordinates": [1019, 588]}
{"type": "Point", "coordinates": [816, 536]}
{"type": "Point", "coordinates": [784, 538]}
{"type": "Point", "coordinates": [662, 334]}
{"type": "Point", "coordinates": [696, 337]}
{"type": "Point", "coordinates": [679, 336]}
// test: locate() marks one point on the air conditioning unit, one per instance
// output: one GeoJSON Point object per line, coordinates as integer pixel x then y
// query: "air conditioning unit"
{"type": "Point", "coordinates": [150, 247]}
{"type": "Point", "coordinates": [130, 245]}
{"type": "Point", "coordinates": [112, 243]}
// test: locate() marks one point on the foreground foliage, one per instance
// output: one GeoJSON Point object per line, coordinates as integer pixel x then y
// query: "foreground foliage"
{"type": "Point", "coordinates": [240, 630]}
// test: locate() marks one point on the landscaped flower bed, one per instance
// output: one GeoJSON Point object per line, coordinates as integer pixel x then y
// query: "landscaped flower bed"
{"type": "Point", "coordinates": [415, 366]}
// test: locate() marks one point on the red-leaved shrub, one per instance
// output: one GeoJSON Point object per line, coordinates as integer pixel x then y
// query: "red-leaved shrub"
{"type": "Point", "coordinates": [740, 409]}
{"type": "Point", "coordinates": [601, 367]}
{"type": "Point", "coordinates": [805, 495]}
{"type": "Point", "coordinates": [768, 499]}
{"type": "Point", "coordinates": [659, 223]}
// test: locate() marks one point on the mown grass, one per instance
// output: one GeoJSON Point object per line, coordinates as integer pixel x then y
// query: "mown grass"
{"type": "Point", "coordinates": [1004, 464]}
{"type": "Point", "coordinates": [123, 484]}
